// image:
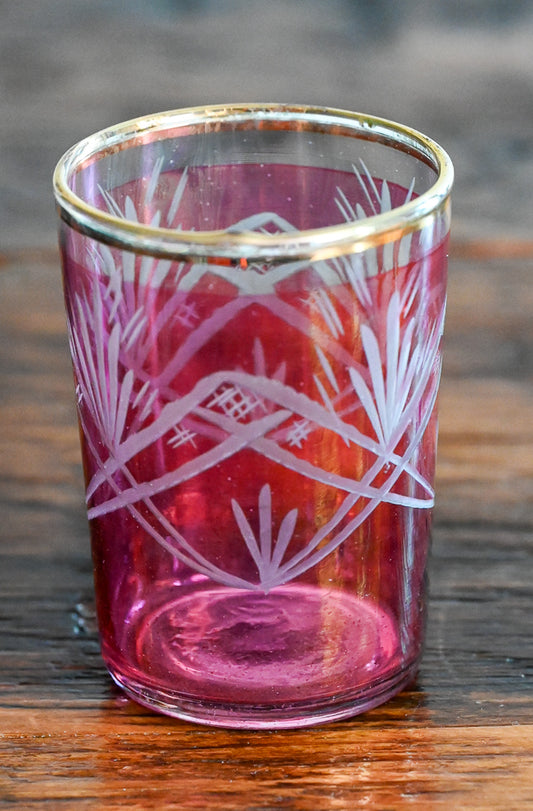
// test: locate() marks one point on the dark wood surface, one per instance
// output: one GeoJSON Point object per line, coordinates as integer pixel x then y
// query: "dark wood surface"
{"type": "Point", "coordinates": [462, 736]}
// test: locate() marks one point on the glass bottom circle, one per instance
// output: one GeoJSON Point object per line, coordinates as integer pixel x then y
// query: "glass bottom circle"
{"type": "Point", "coordinates": [297, 656]}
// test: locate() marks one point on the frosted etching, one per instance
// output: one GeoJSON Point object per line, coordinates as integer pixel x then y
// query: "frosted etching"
{"type": "Point", "coordinates": [370, 331]}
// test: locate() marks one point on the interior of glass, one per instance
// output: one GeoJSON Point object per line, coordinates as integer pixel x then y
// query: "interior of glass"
{"type": "Point", "coordinates": [239, 171]}
{"type": "Point", "coordinates": [265, 183]}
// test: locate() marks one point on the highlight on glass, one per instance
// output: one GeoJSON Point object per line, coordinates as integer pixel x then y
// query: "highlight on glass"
{"type": "Point", "coordinates": [255, 298]}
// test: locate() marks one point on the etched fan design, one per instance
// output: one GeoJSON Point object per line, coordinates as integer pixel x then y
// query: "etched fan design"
{"type": "Point", "coordinates": [132, 409]}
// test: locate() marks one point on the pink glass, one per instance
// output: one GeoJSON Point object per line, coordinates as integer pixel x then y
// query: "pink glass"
{"type": "Point", "coordinates": [255, 299]}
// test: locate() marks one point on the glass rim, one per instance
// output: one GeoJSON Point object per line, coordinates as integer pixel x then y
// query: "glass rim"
{"type": "Point", "coordinates": [313, 244]}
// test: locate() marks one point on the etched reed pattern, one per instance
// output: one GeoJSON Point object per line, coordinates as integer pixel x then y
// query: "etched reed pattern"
{"type": "Point", "coordinates": [390, 385]}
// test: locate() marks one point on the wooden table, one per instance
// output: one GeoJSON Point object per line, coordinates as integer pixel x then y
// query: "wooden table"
{"type": "Point", "coordinates": [461, 738]}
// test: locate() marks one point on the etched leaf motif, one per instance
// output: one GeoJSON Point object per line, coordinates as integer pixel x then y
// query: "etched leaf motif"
{"type": "Point", "coordinates": [357, 268]}
{"type": "Point", "coordinates": [386, 401]}
{"type": "Point", "coordinates": [268, 561]}
{"type": "Point", "coordinates": [110, 392]}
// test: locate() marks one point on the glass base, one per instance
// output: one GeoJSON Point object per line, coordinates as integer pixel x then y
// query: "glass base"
{"type": "Point", "coordinates": [269, 717]}
{"type": "Point", "coordinates": [295, 657]}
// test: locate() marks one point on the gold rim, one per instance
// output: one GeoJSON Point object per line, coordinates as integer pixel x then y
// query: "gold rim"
{"type": "Point", "coordinates": [320, 243]}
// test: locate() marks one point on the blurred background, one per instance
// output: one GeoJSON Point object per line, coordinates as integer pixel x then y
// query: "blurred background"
{"type": "Point", "coordinates": [459, 70]}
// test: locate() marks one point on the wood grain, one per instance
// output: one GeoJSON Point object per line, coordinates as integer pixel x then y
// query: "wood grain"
{"type": "Point", "coordinates": [462, 737]}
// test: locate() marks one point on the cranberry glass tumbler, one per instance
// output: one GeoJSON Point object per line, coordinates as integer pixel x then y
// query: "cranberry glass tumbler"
{"type": "Point", "coordinates": [255, 299]}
